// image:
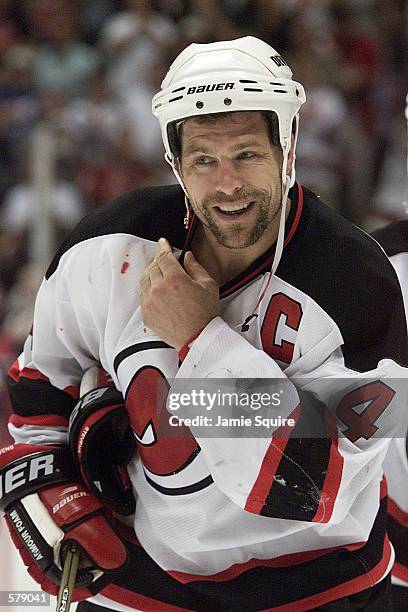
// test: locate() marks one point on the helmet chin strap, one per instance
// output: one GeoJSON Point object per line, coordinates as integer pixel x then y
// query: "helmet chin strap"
{"type": "Point", "coordinates": [180, 180]}
{"type": "Point", "coordinates": [286, 185]}
{"type": "Point", "coordinates": [276, 259]}
{"type": "Point", "coordinates": [281, 233]}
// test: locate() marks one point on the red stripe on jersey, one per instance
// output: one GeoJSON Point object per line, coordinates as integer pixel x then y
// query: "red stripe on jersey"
{"type": "Point", "coordinates": [400, 571]}
{"type": "Point", "coordinates": [284, 561]}
{"type": "Point", "coordinates": [262, 486]}
{"type": "Point", "coordinates": [33, 374]}
{"type": "Point", "coordinates": [138, 602]}
{"type": "Point", "coordinates": [183, 352]}
{"type": "Point", "coordinates": [296, 220]}
{"type": "Point", "coordinates": [360, 583]}
{"type": "Point", "coordinates": [333, 477]}
{"type": "Point", "coordinates": [47, 420]}
{"type": "Point", "coordinates": [260, 490]}
{"type": "Point", "coordinates": [345, 589]}
{"type": "Point", "coordinates": [397, 513]}
{"type": "Point", "coordinates": [72, 391]}
{"type": "Point", "coordinates": [14, 371]}
{"type": "Point", "coordinates": [267, 264]}
{"type": "Point", "coordinates": [29, 373]}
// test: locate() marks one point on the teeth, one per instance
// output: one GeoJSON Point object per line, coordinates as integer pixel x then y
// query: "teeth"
{"type": "Point", "coordinates": [234, 208]}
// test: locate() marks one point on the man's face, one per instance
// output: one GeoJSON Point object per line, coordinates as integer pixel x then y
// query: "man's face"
{"type": "Point", "coordinates": [232, 174]}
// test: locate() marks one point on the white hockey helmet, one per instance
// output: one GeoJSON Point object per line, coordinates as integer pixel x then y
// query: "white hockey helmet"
{"type": "Point", "coordinates": [235, 75]}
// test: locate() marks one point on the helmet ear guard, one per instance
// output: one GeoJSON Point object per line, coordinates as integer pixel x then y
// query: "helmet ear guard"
{"type": "Point", "coordinates": [173, 139]}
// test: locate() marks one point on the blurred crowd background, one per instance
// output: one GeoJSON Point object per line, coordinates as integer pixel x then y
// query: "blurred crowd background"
{"type": "Point", "coordinates": [76, 82]}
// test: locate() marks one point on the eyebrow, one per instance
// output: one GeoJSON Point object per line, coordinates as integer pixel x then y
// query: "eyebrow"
{"type": "Point", "coordinates": [246, 145]}
{"type": "Point", "coordinates": [192, 149]}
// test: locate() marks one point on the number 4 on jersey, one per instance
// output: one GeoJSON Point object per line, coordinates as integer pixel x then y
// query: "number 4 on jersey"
{"type": "Point", "coordinates": [373, 398]}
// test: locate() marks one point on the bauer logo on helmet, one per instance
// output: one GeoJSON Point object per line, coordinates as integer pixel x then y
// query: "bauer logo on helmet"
{"type": "Point", "coordinates": [211, 87]}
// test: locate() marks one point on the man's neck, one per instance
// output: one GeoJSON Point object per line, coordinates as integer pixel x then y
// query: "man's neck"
{"type": "Point", "coordinates": [223, 263]}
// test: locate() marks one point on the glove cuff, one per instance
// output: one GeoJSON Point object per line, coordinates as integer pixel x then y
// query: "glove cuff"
{"type": "Point", "coordinates": [22, 475]}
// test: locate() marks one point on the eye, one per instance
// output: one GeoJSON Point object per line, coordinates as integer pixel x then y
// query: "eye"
{"type": "Point", "coordinates": [246, 155]}
{"type": "Point", "coordinates": [203, 160]}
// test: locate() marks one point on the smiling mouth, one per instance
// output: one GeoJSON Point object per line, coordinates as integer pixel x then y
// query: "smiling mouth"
{"type": "Point", "coordinates": [236, 210]}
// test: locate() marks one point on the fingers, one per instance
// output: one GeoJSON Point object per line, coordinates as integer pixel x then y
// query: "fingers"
{"type": "Point", "coordinates": [195, 269]}
{"type": "Point", "coordinates": [145, 284]}
{"type": "Point", "coordinates": [166, 261]}
{"type": "Point", "coordinates": [151, 276]}
{"type": "Point", "coordinates": [163, 264]}
{"type": "Point", "coordinates": [155, 274]}
{"type": "Point", "coordinates": [152, 272]}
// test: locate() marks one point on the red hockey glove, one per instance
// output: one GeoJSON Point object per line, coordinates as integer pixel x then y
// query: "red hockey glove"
{"type": "Point", "coordinates": [46, 510]}
{"type": "Point", "coordinates": [102, 443]}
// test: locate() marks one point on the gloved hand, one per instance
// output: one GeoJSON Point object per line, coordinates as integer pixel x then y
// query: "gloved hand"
{"type": "Point", "coordinates": [46, 509]}
{"type": "Point", "coordinates": [102, 442]}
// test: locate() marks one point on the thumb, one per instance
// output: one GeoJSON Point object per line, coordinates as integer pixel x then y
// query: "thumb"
{"type": "Point", "coordinates": [195, 269]}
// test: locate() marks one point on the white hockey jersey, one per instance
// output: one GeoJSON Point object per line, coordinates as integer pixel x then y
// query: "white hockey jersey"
{"type": "Point", "coordinates": [247, 523]}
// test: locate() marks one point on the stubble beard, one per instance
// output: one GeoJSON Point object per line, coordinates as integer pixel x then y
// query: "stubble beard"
{"type": "Point", "coordinates": [239, 236]}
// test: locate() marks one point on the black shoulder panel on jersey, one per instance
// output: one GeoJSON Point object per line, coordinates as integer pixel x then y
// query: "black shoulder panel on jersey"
{"type": "Point", "coordinates": [38, 398]}
{"type": "Point", "coordinates": [148, 212]}
{"type": "Point", "coordinates": [349, 276]}
{"type": "Point", "coordinates": [393, 237]}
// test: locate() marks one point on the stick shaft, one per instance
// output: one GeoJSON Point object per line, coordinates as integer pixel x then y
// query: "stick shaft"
{"type": "Point", "coordinates": [72, 559]}
{"type": "Point", "coordinates": [68, 579]}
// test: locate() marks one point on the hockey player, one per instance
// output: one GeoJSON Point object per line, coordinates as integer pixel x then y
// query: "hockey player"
{"type": "Point", "coordinates": [267, 283]}
{"type": "Point", "coordinates": [394, 239]}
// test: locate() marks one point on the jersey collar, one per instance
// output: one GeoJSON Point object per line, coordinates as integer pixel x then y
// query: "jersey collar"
{"type": "Point", "coordinates": [263, 262]}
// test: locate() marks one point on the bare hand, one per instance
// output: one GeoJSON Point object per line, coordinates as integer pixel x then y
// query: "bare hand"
{"type": "Point", "coordinates": [177, 303]}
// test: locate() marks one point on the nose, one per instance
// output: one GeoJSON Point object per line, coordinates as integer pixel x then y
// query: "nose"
{"type": "Point", "coordinates": [228, 179]}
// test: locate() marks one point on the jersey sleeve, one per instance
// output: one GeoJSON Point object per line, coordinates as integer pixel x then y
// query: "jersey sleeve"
{"type": "Point", "coordinates": [79, 317]}
{"type": "Point", "coordinates": [278, 472]}
{"type": "Point", "coordinates": [44, 381]}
